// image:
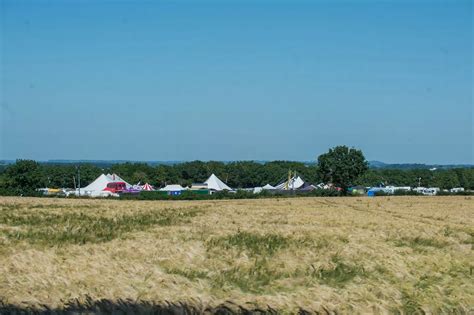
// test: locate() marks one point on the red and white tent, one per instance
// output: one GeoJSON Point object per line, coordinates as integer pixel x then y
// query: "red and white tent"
{"type": "Point", "coordinates": [147, 187]}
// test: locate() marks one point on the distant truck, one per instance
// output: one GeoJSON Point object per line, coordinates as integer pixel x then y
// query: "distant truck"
{"type": "Point", "coordinates": [116, 187]}
{"type": "Point", "coordinates": [432, 191]}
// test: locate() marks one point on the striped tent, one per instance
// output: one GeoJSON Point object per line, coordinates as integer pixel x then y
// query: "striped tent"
{"type": "Point", "coordinates": [147, 187]}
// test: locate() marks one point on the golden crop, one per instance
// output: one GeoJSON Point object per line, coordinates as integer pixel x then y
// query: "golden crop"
{"type": "Point", "coordinates": [346, 255]}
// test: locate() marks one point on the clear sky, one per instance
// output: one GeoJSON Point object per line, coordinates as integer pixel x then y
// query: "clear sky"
{"type": "Point", "coordinates": [233, 80]}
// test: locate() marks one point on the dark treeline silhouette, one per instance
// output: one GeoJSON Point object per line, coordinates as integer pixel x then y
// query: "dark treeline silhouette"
{"type": "Point", "coordinates": [27, 175]}
{"type": "Point", "coordinates": [90, 306]}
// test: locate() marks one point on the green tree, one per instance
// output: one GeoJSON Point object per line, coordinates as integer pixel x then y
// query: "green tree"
{"type": "Point", "coordinates": [371, 178]}
{"type": "Point", "coordinates": [446, 179]}
{"type": "Point", "coordinates": [341, 166]}
{"type": "Point", "coordinates": [24, 176]}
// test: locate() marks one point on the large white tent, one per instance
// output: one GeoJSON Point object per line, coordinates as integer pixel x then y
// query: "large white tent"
{"type": "Point", "coordinates": [98, 185]}
{"type": "Point", "coordinates": [214, 183]}
{"type": "Point", "coordinates": [96, 188]}
{"type": "Point", "coordinates": [292, 184]}
{"type": "Point", "coordinates": [173, 188]}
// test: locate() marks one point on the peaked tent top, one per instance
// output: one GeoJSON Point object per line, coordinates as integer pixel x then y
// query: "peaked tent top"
{"type": "Point", "coordinates": [293, 183]}
{"type": "Point", "coordinates": [147, 187]}
{"type": "Point", "coordinates": [99, 184]}
{"type": "Point", "coordinates": [268, 186]}
{"type": "Point", "coordinates": [214, 183]}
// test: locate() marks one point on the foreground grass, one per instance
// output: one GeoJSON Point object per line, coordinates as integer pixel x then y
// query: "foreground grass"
{"type": "Point", "coordinates": [80, 228]}
{"type": "Point", "coordinates": [398, 255]}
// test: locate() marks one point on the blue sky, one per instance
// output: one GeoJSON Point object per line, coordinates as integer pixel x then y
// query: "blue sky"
{"type": "Point", "coordinates": [233, 80]}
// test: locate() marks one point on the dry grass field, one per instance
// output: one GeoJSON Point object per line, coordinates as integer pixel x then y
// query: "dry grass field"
{"type": "Point", "coordinates": [342, 255]}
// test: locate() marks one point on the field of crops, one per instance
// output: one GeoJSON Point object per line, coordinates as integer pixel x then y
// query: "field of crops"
{"type": "Point", "coordinates": [345, 255]}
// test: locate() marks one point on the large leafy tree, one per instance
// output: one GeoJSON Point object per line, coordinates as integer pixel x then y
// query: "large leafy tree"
{"type": "Point", "coordinates": [24, 176]}
{"type": "Point", "coordinates": [446, 179]}
{"type": "Point", "coordinates": [341, 166]}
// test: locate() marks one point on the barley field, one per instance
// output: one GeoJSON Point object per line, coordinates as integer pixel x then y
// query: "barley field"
{"type": "Point", "coordinates": [384, 255]}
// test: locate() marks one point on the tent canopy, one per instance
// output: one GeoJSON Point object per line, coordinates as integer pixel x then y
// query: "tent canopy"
{"type": "Point", "coordinates": [214, 183]}
{"type": "Point", "coordinates": [268, 187]}
{"type": "Point", "coordinates": [292, 184]}
{"type": "Point", "coordinates": [147, 187]}
{"type": "Point", "coordinates": [173, 188]}
{"type": "Point", "coordinates": [101, 182]}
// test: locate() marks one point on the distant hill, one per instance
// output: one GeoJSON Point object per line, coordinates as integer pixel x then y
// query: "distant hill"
{"type": "Point", "coordinates": [372, 164]}
{"type": "Point", "coordinates": [108, 162]}
{"type": "Point", "coordinates": [410, 166]}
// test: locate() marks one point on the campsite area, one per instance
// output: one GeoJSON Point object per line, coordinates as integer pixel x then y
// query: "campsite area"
{"type": "Point", "coordinates": [343, 255]}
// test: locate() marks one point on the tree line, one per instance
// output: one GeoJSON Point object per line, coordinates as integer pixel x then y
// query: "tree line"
{"type": "Point", "coordinates": [342, 166]}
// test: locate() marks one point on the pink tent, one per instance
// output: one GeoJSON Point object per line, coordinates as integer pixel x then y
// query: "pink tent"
{"type": "Point", "coordinates": [147, 187]}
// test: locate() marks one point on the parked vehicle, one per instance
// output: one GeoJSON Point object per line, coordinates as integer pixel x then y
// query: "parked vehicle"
{"type": "Point", "coordinates": [116, 187]}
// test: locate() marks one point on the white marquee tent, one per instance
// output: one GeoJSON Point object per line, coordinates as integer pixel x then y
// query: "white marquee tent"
{"type": "Point", "coordinates": [292, 184]}
{"type": "Point", "coordinates": [98, 185]}
{"type": "Point", "coordinates": [214, 183]}
{"type": "Point", "coordinates": [173, 188]}
{"type": "Point", "coordinates": [96, 188]}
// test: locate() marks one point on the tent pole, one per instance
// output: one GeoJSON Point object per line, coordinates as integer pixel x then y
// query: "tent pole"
{"type": "Point", "coordinates": [79, 179]}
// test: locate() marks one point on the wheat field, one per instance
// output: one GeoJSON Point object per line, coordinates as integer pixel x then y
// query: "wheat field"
{"type": "Point", "coordinates": [313, 255]}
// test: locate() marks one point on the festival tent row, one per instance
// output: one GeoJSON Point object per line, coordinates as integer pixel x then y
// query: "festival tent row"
{"type": "Point", "coordinates": [294, 183]}
{"type": "Point", "coordinates": [112, 184]}
{"type": "Point", "coordinates": [211, 185]}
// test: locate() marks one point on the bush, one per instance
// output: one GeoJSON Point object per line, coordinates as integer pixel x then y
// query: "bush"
{"type": "Point", "coordinates": [20, 192]}
{"type": "Point", "coordinates": [459, 193]}
{"type": "Point", "coordinates": [240, 194]}
{"type": "Point", "coordinates": [325, 193]}
{"type": "Point", "coordinates": [406, 193]}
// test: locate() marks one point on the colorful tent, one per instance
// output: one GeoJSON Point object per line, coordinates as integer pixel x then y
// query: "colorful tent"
{"type": "Point", "coordinates": [115, 178]}
{"type": "Point", "coordinates": [214, 183]}
{"type": "Point", "coordinates": [147, 187]}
